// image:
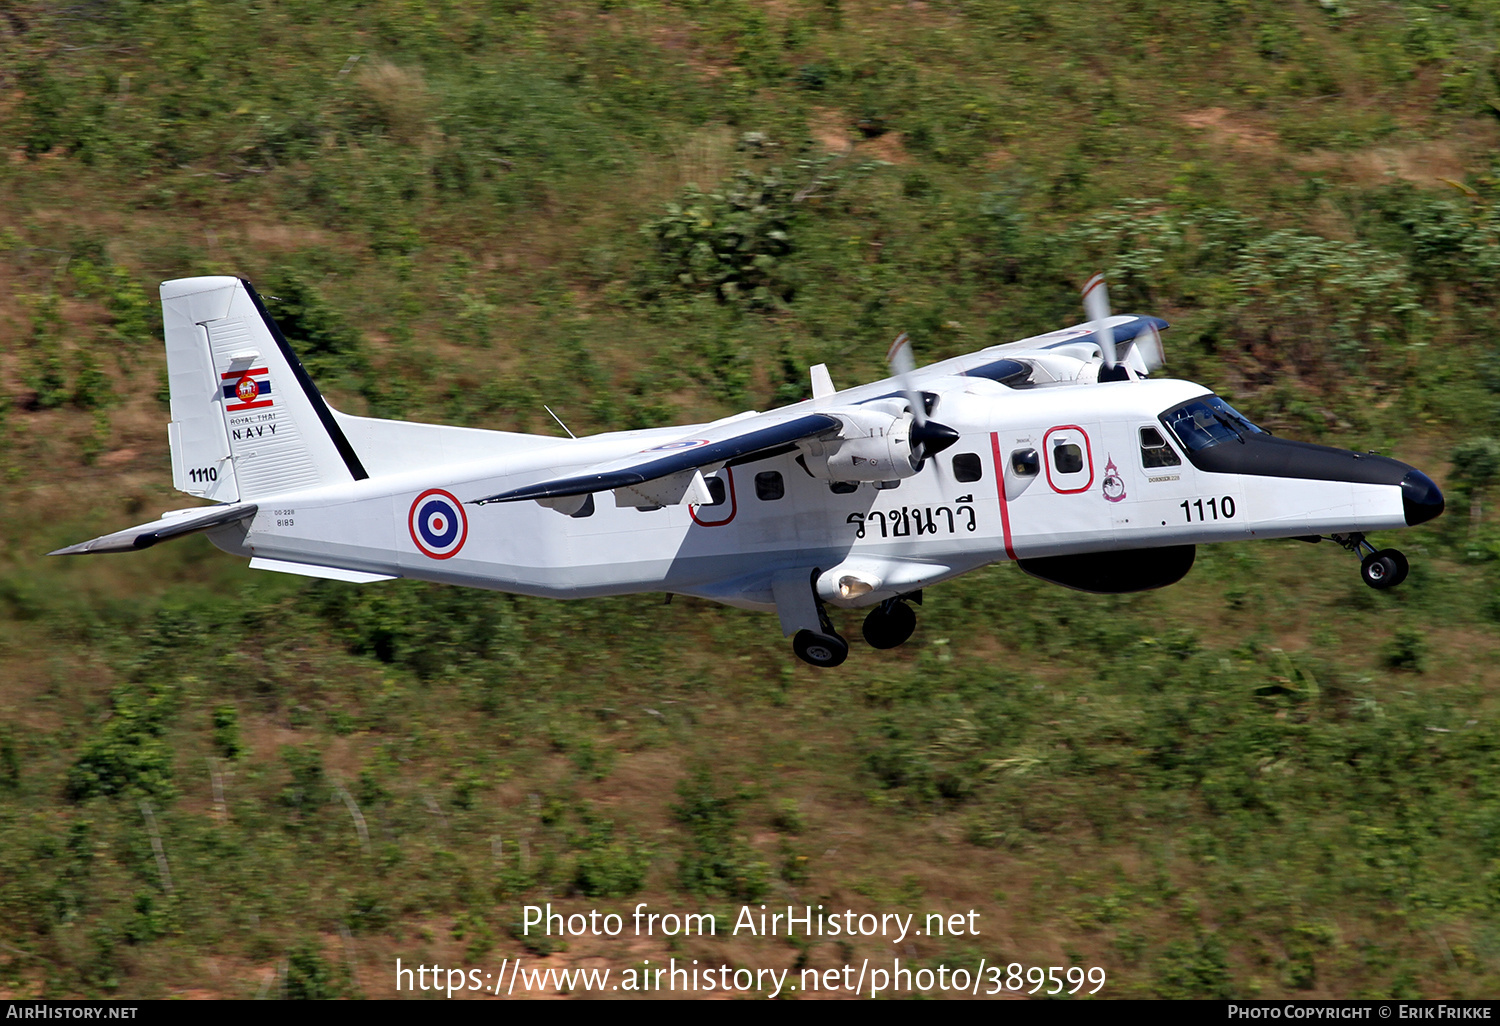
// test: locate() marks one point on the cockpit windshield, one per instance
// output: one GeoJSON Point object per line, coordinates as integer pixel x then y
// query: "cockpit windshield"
{"type": "Point", "coordinates": [1208, 421]}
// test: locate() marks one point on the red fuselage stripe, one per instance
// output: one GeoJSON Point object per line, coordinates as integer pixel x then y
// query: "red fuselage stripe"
{"type": "Point", "coordinates": [1000, 489]}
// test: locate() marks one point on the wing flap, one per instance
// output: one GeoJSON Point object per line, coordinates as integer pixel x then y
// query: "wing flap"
{"type": "Point", "coordinates": [173, 525]}
{"type": "Point", "coordinates": [735, 441]}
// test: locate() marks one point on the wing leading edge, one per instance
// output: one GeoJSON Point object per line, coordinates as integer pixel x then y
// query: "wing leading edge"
{"type": "Point", "coordinates": [677, 457]}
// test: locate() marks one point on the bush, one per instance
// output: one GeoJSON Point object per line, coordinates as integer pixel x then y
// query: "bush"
{"type": "Point", "coordinates": [734, 244]}
{"type": "Point", "coordinates": [1193, 970]}
{"type": "Point", "coordinates": [309, 977]}
{"type": "Point", "coordinates": [227, 732]}
{"type": "Point", "coordinates": [10, 763]}
{"type": "Point", "coordinates": [716, 862]}
{"type": "Point", "coordinates": [731, 243]}
{"type": "Point", "coordinates": [326, 344]}
{"type": "Point", "coordinates": [608, 867]}
{"type": "Point", "coordinates": [128, 755]}
{"type": "Point", "coordinates": [308, 790]}
{"type": "Point", "coordinates": [1406, 650]}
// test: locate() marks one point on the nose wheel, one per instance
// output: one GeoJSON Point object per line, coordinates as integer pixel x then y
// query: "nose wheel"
{"type": "Point", "coordinates": [1380, 568]}
{"type": "Point", "coordinates": [1384, 569]}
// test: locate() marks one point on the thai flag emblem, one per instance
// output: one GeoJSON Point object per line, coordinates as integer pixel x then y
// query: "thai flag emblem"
{"type": "Point", "coordinates": [248, 390]}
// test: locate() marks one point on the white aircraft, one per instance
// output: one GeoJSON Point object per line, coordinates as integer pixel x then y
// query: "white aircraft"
{"type": "Point", "coordinates": [1053, 451]}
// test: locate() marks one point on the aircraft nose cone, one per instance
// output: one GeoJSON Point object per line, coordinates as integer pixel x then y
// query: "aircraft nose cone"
{"type": "Point", "coordinates": [1420, 498]}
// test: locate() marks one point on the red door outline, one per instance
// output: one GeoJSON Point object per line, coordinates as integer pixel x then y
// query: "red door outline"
{"type": "Point", "coordinates": [1088, 450]}
{"type": "Point", "coordinates": [733, 507]}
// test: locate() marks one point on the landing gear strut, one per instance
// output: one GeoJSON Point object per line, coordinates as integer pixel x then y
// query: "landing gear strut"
{"type": "Point", "coordinates": [1380, 568]}
{"type": "Point", "coordinates": [889, 624]}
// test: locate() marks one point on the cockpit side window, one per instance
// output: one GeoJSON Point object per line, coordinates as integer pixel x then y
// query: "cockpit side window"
{"type": "Point", "coordinates": [1202, 423]}
{"type": "Point", "coordinates": [1155, 452]}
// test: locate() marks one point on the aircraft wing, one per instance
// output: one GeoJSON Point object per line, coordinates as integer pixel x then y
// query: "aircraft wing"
{"type": "Point", "coordinates": [1125, 327]}
{"type": "Point", "coordinates": [173, 525]}
{"type": "Point", "coordinates": [718, 444]}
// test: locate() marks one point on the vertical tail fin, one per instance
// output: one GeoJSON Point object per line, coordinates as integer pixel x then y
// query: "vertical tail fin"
{"type": "Point", "coordinates": [247, 421]}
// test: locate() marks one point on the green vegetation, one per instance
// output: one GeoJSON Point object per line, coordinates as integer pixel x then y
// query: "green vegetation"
{"type": "Point", "coordinates": [1267, 780]}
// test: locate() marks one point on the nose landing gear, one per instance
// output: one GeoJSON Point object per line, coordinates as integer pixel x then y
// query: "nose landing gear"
{"type": "Point", "coordinates": [1384, 569]}
{"type": "Point", "coordinates": [1380, 568]}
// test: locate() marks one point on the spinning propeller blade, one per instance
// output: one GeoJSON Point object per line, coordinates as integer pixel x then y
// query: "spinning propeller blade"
{"type": "Point", "coordinates": [1148, 344]}
{"type": "Point", "coordinates": [1096, 305]}
{"type": "Point", "coordinates": [902, 362]}
{"type": "Point", "coordinates": [1140, 354]}
{"type": "Point", "coordinates": [928, 437]}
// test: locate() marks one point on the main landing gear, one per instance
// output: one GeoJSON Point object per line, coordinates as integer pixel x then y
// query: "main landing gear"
{"type": "Point", "coordinates": [824, 647]}
{"type": "Point", "coordinates": [1380, 568]}
{"type": "Point", "coordinates": [821, 649]}
{"type": "Point", "coordinates": [888, 625]}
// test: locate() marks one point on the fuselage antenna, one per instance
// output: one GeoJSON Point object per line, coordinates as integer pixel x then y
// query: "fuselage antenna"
{"type": "Point", "coordinates": [559, 421]}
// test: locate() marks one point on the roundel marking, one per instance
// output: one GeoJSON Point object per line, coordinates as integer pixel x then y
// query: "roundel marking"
{"type": "Point", "coordinates": [438, 525]}
{"type": "Point", "coordinates": [687, 443]}
{"type": "Point", "coordinates": [248, 389]}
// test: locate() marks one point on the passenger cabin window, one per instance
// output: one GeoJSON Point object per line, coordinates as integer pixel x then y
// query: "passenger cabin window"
{"type": "Point", "coordinates": [1025, 463]}
{"type": "Point", "coordinates": [587, 509]}
{"type": "Point", "coordinates": [843, 487]}
{"type": "Point", "coordinates": [716, 489]}
{"type": "Point", "coordinates": [1206, 422]}
{"type": "Point", "coordinates": [1067, 458]}
{"type": "Point", "coordinates": [769, 486]}
{"type": "Point", "coordinates": [1155, 452]}
{"type": "Point", "coordinates": [966, 467]}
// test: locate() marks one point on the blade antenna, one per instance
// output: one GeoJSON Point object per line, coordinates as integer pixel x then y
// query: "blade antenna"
{"type": "Point", "coordinates": [559, 422]}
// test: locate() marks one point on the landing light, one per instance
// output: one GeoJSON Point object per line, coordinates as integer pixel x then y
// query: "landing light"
{"type": "Point", "coordinates": [853, 587]}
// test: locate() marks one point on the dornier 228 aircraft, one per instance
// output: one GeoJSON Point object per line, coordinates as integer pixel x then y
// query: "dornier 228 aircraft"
{"type": "Point", "coordinates": [1054, 451]}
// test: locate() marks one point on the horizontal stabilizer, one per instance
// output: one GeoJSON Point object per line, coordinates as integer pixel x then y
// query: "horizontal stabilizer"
{"type": "Point", "coordinates": [329, 573]}
{"type": "Point", "coordinates": [737, 440]}
{"type": "Point", "coordinates": [173, 525]}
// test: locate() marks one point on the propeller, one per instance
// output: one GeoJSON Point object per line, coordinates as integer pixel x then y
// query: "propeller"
{"type": "Point", "coordinates": [1143, 353]}
{"type": "Point", "coordinates": [928, 437]}
{"type": "Point", "coordinates": [1096, 305]}
{"type": "Point", "coordinates": [1148, 344]}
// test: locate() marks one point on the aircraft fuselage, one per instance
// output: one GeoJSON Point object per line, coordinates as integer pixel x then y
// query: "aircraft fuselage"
{"type": "Point", "coordinates": [1036, 473]}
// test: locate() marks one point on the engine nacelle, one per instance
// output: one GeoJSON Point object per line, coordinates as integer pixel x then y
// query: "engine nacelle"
{"type": "Point", "coordinates": [875, 445]}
